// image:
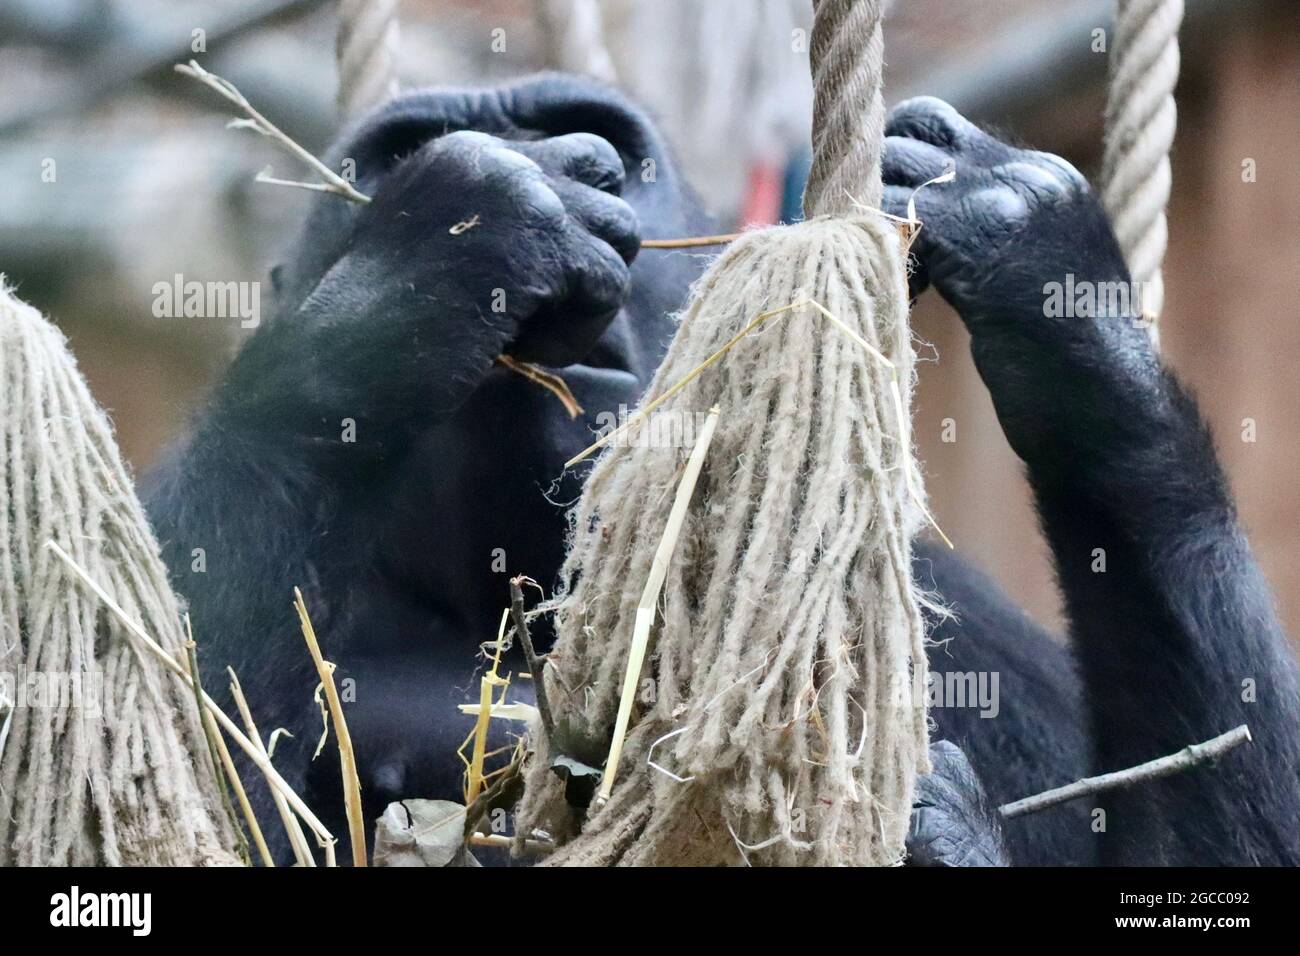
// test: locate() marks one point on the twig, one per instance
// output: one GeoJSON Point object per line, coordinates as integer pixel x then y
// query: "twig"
{"type": "Point", "coordinates": [256, 121]}
{"type": "Point", "coordinates": [1184, 759]}
{"type": "Point", "coordinates": [297, 839]}
{"type": "Point", "coordinates": [690, 242]}
{"type": "Point", "coordinates": [530, 845]}
{"type": "Point", "coordinates": [548, 380]}
{"type": "Point", "coordinates": [534, 662]}
{"type": "Point", "coordinates": [220, 758]}
{"type": "Point", "coordinates": [139, 633]}
{"type": "Point", "coordinates": [645, 610]}
{"type": "Point", "coordinates": [347, 756]}
{"type": "Point", "coordinates": [480, 805]}
{"type": "Point", "coordinates": [265, 177]}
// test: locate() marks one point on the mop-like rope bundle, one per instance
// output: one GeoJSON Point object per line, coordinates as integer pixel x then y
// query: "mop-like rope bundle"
{"type": "Point", "coordinates": [790, 630]}
{"type": "Point", "coordinates": [96, 742]}
{"type": "Point", "coordinates": [782, 694]}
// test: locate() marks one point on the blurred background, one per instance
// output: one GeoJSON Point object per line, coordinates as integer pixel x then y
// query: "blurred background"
{"type": "Point", "coordinates": [147, 183]}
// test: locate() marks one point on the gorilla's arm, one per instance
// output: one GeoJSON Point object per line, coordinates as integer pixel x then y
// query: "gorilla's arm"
{"type": "Point", "coordinates": [389, 317]}
{"type": "Point", "coordinates": [1176, 638]}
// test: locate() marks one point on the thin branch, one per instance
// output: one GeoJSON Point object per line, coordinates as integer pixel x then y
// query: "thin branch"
{"type": "Point", "coordinates": [475, 779]}
{"type": "Point", "coordinates": [347, 756]}
{"type": "Point", "coordinates": [535, 664]}
{"type": "Point", "coordinates": [530, 845]}
{"type": "Point", "coordinates": [1184, 759]}
{"type": "Point", "coordinates": [256, 121]}
{"type": "Point", "coordinates": [690, 242]}
{"type": "Point", "coordinates": [134, 49]}
{"type": "Point", "coordinates": [265, 177]}
{"type": "Point", "coordinates": [245, 807]}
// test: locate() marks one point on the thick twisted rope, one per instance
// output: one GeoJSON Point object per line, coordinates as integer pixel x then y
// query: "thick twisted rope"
{"type": "Point", "coordinates": [573, 35]}
{"type": "Point", "coordinates": [847, 59]}
{"type": "Point", "coordinates": [366, 49]}
{"type": "Point", "coordinates": [1141, 119]}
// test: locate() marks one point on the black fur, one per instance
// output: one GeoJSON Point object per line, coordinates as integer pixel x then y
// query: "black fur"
{"type": "Point", "coordinates": [386, 318]}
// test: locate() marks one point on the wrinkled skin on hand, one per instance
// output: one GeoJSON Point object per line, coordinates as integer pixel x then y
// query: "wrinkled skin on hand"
{"type": "Point", "coordinates": [953, 823]}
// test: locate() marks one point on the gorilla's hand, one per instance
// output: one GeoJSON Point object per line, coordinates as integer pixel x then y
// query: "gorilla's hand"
{"type": "Point", "coordinates": [1011, 222]}
{"type": "Point", "coordinates": [475, 245]}
{"type": "Point", "coordinates": [1006, 244]}
{"type": "Point", "coordinates": [953, 823]}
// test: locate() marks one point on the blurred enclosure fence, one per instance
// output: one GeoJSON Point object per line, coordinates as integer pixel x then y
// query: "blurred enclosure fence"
{"type": "Point", "coordinates": [149, 185]}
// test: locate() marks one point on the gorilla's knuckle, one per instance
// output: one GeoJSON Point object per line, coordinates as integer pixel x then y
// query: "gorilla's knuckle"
{"type": "Point", "coordinates": [466, 141]}
{"type": "Point", "coordinates": [537, 204]}
{"type": "Point", "coordinates": [1042, 183]}
{"type": "Point", "coordinates": [1061, 169]}
{"type": "Point", "coordinates": [600, 160]}
{"type": "Point", "coordinates": [608, 278]}
{"type": "Point", "coordinates": [932, 113]}
{"type": "Point", "coordinates": [922, 106]}
{"type": "Point", "coordinates": [620, 221]}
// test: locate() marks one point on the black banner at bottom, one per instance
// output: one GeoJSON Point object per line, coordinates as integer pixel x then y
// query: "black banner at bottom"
{"type": "Point", "coordinates": [509, 907]}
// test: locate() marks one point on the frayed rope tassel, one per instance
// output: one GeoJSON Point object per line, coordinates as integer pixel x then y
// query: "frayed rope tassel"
{"type": "Point", "coordinates": [780, 715]}
{"type": "Point", "coordinates": [98, 767]}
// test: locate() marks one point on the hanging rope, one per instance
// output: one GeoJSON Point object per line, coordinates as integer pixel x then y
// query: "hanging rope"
{"type": "Point", "coordinates": [847, 56]}
{"type": "Point", "coordinates": [779, 716]}
{"type": "Point", "coordinates": [1141, 119]}
{"type": "Point", "coordinates": [105, 774]}
{"type": "Point", "coordinates": [366, 50]}
{"type": "Point", "coordinates": [573, 38]}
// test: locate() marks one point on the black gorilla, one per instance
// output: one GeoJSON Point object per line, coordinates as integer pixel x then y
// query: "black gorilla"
{"type": "Point", "coordinates": [364, 446]}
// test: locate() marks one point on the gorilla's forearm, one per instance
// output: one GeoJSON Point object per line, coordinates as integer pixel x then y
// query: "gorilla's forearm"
{"type": "Point", "coordinates": [1173, 624]}
{"type": "Point", "coordinates": [1171, 619]}
{"type": "Point", "coordinates": [341, 382]}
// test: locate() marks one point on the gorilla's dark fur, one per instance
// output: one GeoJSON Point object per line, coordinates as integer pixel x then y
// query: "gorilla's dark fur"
{"type": "Point", "coordinates": [386, 328]}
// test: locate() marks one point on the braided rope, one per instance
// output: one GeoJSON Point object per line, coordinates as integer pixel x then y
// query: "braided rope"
{"type": "Point", "coordinates": [1141, 118]}
{"type": "Point", "coordinates": [366, 49]}
{"type": "Point", "coordinates": [847, 59]}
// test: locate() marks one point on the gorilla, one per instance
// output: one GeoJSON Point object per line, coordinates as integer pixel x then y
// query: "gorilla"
{"type": "Point", "coordinates": [365, 446]}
